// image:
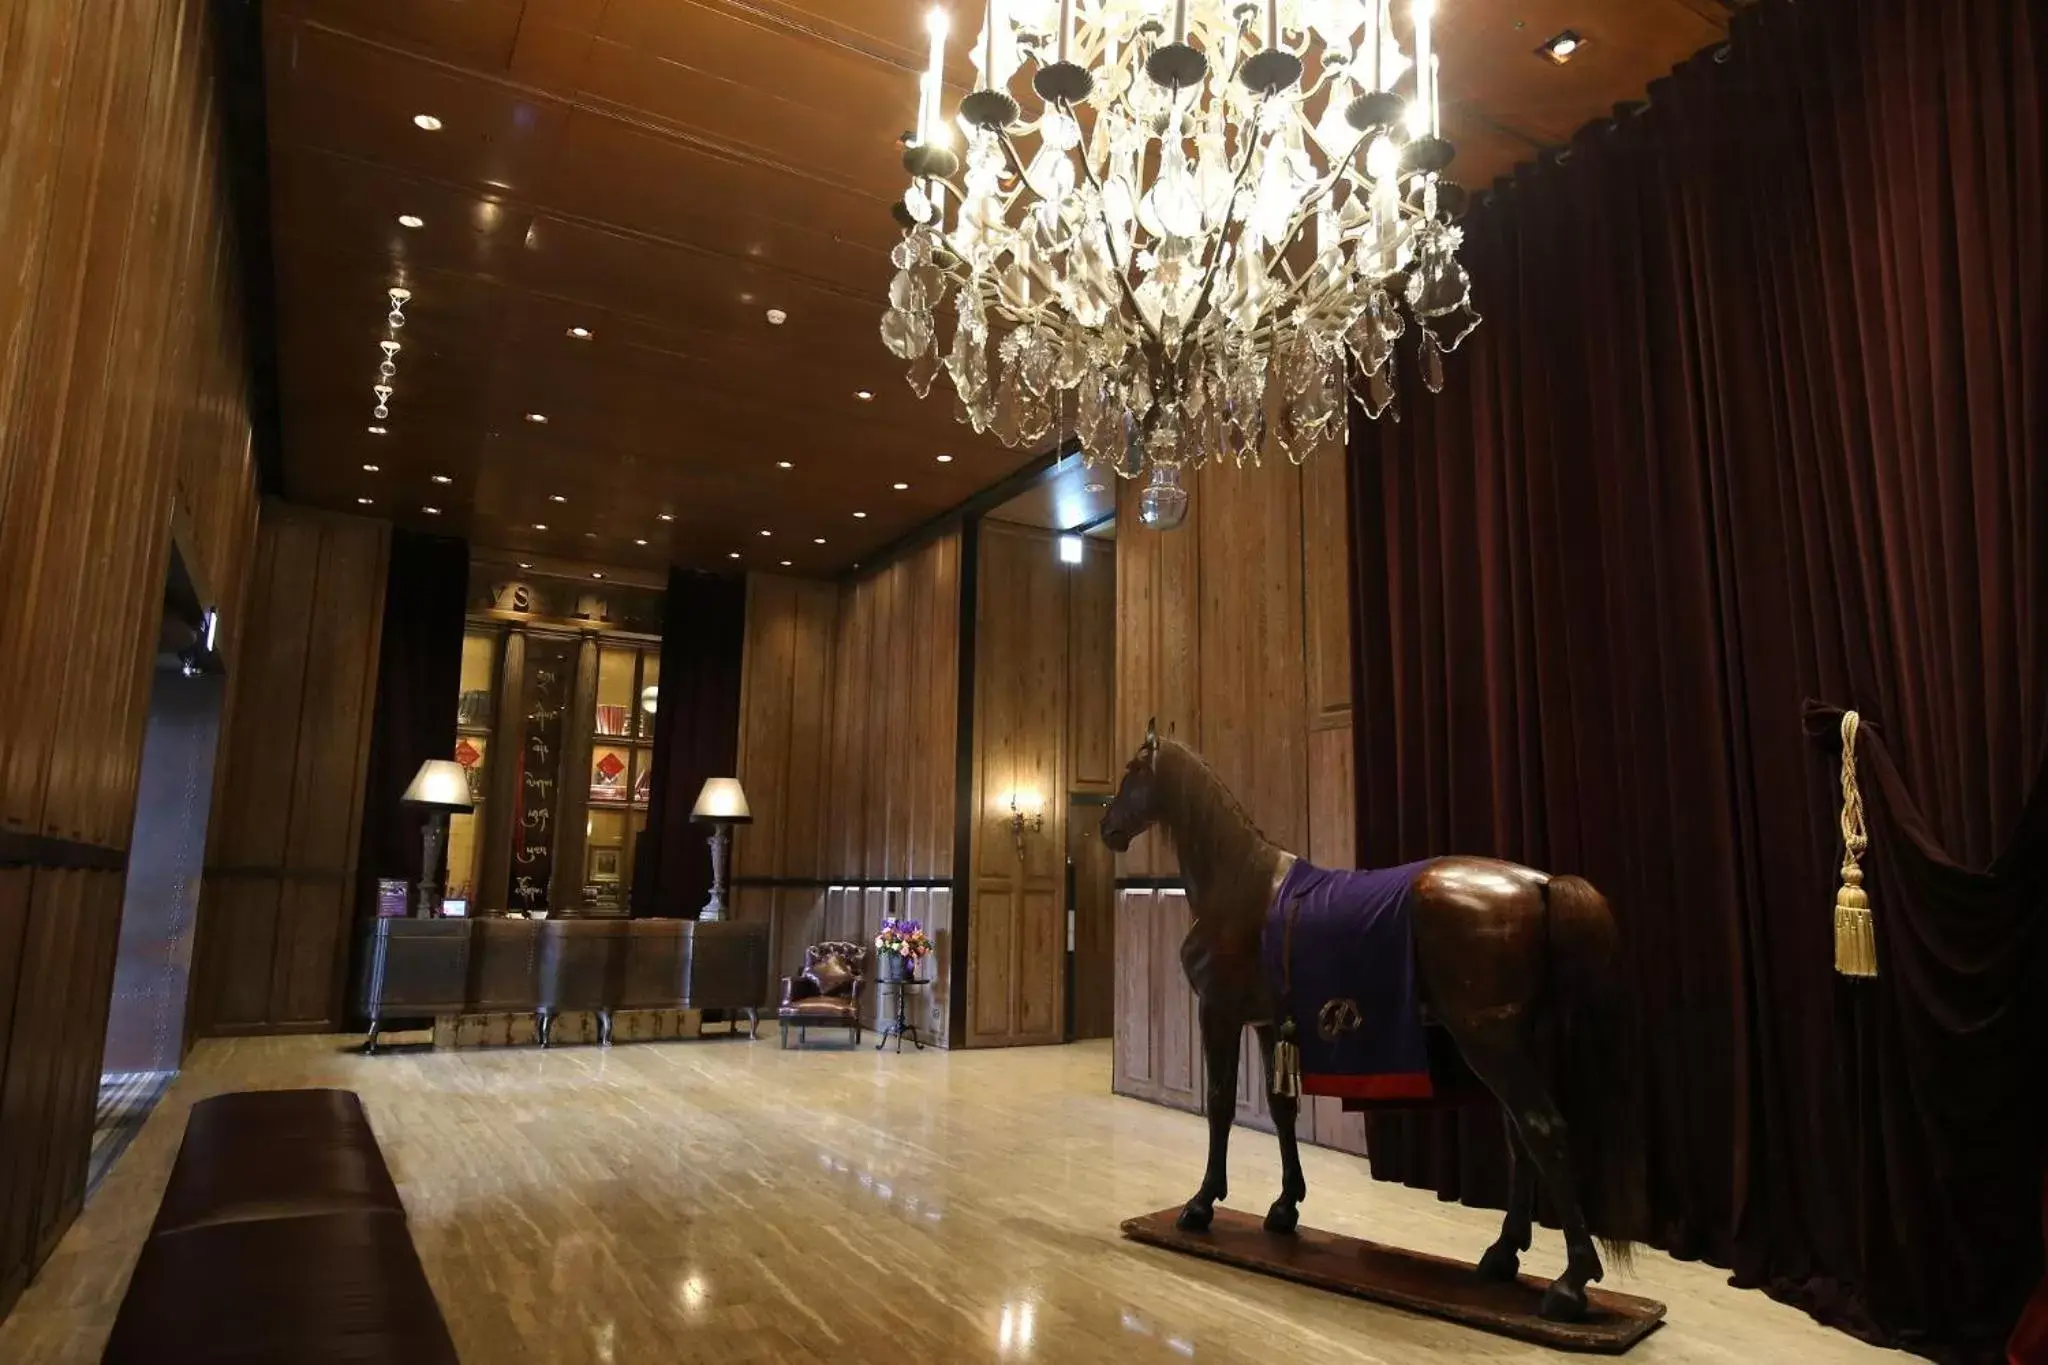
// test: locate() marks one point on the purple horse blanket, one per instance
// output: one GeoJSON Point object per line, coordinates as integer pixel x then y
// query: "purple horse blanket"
{"type": "Point", "coordinates": [1340, 958]}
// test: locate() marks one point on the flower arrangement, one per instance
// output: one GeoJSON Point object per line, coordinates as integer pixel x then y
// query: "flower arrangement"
{"type": "Point", "coordinates": [904, 937]}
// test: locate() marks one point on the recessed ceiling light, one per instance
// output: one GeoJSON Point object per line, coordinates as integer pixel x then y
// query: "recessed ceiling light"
{"type": "Point", "coordinates": [581, 333]}
{"type": "Point", "coordinates": [767, 533]}
{"type": "Point", "coordinates": [1562, 48]}
{"type": "Point", "coordinates": [859, 514]}
{"type": "Point", "coordinates": [945, 459]}
{"type": "Point", "coordinates": [411, 220]}
{"type": "Point", "coordinates": [785, 563]}
{"type": "Point", "coordinates": [864, 395]}
{"type": "Point", "coordinates": [638, 541]}
{"type": "Point", "coordinates": [366, 501]}
{"type": "Point", "coordinates": [371, 468]}
{"type": "Point", "coordinates": [442, 478]}
{"type": "Point", "coordinates": [524, 565]}
{"type": "Point", "coordinates": [734, 555]}
{"type": "Point", "coordinates": [538, 417]}
{"type": "Point", "coordinates": [595, 574]}
{"type": "Point", "coordinates": [540, 526]}
{"type": "Point", "coordinates": [556, 497]}
{"type": "Point", "coordinates": [784, 464]}
{"type": "Point", "coordinates": [590, 535]}
{"type": "Point", "coordinates": [899, 487]}
{"type": "Point", "coordinates": [817, 540]}
{"type": "Point", "coordinates": [426, 121]}
{"type": "Point", "coordinates": [665, 516]}
{"type": "Point", "coordinates": [376, 431]}
{"type": "Point", "coordinates": [776, 317]}
{"type": "Point", "coordinates": [431, 511]}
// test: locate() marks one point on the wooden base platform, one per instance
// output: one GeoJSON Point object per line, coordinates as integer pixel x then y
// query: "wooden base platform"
{"type": "Point", "coordinates": [1413, 1280]}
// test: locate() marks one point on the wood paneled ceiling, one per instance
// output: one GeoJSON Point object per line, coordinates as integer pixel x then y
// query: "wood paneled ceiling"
{"type": "Point", "coordinates": [661, 173]}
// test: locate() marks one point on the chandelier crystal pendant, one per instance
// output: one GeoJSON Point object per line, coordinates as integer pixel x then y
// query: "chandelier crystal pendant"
{"type": "Point", "coordinates": [1218, 206]}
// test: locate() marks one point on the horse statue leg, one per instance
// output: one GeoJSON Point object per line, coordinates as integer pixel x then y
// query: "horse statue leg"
{"type": "Point", "coordinates": [1515, 1076]}
{"type": "Point", "coordinates": [1503, 1260]}
{"type": "Point", "coordinates": [1284, 1214]}
{"type": "Point", "coordinates": [1220, 1037]}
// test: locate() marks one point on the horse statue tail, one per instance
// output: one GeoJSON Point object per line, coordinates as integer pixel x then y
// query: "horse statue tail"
{"type": "Point", "coordinates": [1597, 1076]}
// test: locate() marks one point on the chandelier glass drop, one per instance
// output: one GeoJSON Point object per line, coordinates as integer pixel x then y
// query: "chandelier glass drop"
{"type": "Point", "coordinates": [1218, 206]}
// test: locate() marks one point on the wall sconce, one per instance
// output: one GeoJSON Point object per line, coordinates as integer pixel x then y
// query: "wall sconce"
{"type": "Point", "coordinates": [1027, 809]}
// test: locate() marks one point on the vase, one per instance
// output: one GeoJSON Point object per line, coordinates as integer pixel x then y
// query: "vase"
{"type": "Point", "coordinates": [895, 966]}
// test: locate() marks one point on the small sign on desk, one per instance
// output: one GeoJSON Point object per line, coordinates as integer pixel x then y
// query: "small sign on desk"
{"type": "Point", "coordinates": [392, 898]}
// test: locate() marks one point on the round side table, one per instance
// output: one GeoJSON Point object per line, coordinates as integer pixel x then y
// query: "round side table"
{"type": "Point", "coordinates": [900, 1025]}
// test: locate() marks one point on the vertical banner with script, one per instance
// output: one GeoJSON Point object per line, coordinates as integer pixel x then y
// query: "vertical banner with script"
{"type": "Point", "coordinates": [550, 671]}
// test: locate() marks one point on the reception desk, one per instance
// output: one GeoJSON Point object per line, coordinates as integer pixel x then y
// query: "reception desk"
{"type": "Point", "coordinates": [414, 967]}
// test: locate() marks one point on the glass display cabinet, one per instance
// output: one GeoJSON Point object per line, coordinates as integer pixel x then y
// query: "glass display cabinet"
{"type": "Point", "coordinates": [555, 728]}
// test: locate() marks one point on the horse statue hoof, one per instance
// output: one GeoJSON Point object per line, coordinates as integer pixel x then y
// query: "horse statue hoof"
{"type": "Point", "coordinates": [1283, 1217]}
{"type": "Point", "coordinates": [1563, 1303]}
{"type": "Point", "coordinates": [1501, 1264]}
{"type": "Point", "coordinates": [1193, 1219]}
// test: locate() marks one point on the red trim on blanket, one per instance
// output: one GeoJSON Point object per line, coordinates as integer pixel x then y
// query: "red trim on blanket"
{"type": "Point", "coordinates": [1399, 1085]}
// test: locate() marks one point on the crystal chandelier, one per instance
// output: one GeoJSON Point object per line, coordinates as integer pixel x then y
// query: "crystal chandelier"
{"type": "Point", "coordinates": [1219, 204]}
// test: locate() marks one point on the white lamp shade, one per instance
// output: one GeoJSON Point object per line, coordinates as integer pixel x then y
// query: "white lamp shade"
{"type": "Point", "coordinates": [439, 783]}
{"type": "Point", "coordinates": [722, 802]}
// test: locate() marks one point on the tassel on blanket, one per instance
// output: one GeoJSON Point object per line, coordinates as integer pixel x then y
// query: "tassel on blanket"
{"type": "Point", "coordinates": [1287, 1063]}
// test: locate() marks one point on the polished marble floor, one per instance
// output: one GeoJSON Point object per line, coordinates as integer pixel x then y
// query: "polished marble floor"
{"type": "Point", "coordinates": [724, 1201]}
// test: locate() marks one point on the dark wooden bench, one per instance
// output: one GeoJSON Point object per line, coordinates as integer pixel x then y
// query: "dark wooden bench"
{"type": "Point", "coordinates": [280, 1238]}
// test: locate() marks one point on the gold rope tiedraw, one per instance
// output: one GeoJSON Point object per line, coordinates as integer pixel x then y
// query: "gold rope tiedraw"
{"type": "Point", "coordinates": [1855, 930]}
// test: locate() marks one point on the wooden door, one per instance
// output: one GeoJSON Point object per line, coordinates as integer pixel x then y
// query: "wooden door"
{"type": "Point", "coordinates": [1094, 915]}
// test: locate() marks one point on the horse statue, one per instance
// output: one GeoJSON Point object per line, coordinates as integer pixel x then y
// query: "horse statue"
{"type": "Point", "coordinates": [1520, 969]}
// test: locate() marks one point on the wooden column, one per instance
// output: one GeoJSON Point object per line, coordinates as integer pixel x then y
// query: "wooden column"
{"type": "Point", "coordinates": [493, 884]}
{"type": "Point", "coordinates": [572, 789]}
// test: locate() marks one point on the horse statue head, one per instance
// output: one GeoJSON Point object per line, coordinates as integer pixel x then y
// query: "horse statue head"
{"type": "Point", "coordinates": [1135, 808]}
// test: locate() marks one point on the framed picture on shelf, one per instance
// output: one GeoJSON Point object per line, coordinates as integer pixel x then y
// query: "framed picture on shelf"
{"type": "Point", "coordinates": [604, 864]}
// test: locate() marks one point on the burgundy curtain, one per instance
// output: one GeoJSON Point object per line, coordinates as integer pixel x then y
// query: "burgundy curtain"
{"type": "Point", "coordinates": [1756, 416]}
{"type": "Point", "coordinates": [696, 735]}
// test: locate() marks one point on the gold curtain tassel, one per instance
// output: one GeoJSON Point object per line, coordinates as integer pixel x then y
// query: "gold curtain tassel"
{"type": "Point", "coordinates": [1855, 929]}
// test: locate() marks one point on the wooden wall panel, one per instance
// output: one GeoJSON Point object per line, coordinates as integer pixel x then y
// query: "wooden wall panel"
{"type": "Point", "coordinates": [1017, 984]}
{"type": "Point", "coordinates": [274, 913]}
{"type": "Point", "coordinates": [847, 741]}
{"type": "Point", "coordinates": [1233, 631]}
{"type": "Point", "coordinates": [123, 424]}
{"type": "Point", "coordinates": [1093, 763]}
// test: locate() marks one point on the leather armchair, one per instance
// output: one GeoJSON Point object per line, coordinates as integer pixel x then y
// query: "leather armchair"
{"type": "Point", "coordinates": [805, 1002]}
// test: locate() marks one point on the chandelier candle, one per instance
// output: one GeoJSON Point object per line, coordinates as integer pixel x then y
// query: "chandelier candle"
{"type": "Point", "coordinates": [1179, 254]}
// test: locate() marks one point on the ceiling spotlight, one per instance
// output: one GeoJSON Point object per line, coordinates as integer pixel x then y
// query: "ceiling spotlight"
{"type": "Point", "coordinates": [431, 511]}
{"type": "Point", "coordinates": [366, 501]}
{"type": "Point", "coordinates": [784, 464]}
{"type": "Point", "coordinates": [427, 122]}
{"type": "Point", "coordinates": [540, 526]}
{"type": "Point", "coordinates": [776, 317]}
{"type": "Point", "coordinates": [1562, 48]}
{"type": "Point", "coordinates": [581, 333]}
{"type": "Point", "coordinates": [767, 533]}
{"type": "Point", "coordinates": [945, 459]}
{"type": "Point", "coordinates": [442, 478]}
{"type": "Point", "coordinates": [638, 541]}
{"type": "Point", "coordinates": [785, 563]}
{"type": "Point", "coordinates": [664, 516]}
{"type": "Point", "coordinates": [899, 487]}
{"type": "Point", "coordinates": [590, 535]}
{"type": "Point", "coordinates": [376, 431]}
{"type": "Point", "coordinates": [734, 555]}
{"type": "Point", "coordinates": [411, 220]}
{"type": "Point", "coordinates": [370, 468]}
{"type": "Point", "coordinates": [595, 574]}
{"type": "Point", "coordinates": [524, 565]}
{"type": "Point", "coordinates": [556, 497]}
{"type": "Point", "coordinates": [858, 515]}
{"type": "Point", "coordinates": [537, 418]}
{"type": "Point", "coordinates": [817, 540]}
{"type": "Point", "coordinates": [864, 395]}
